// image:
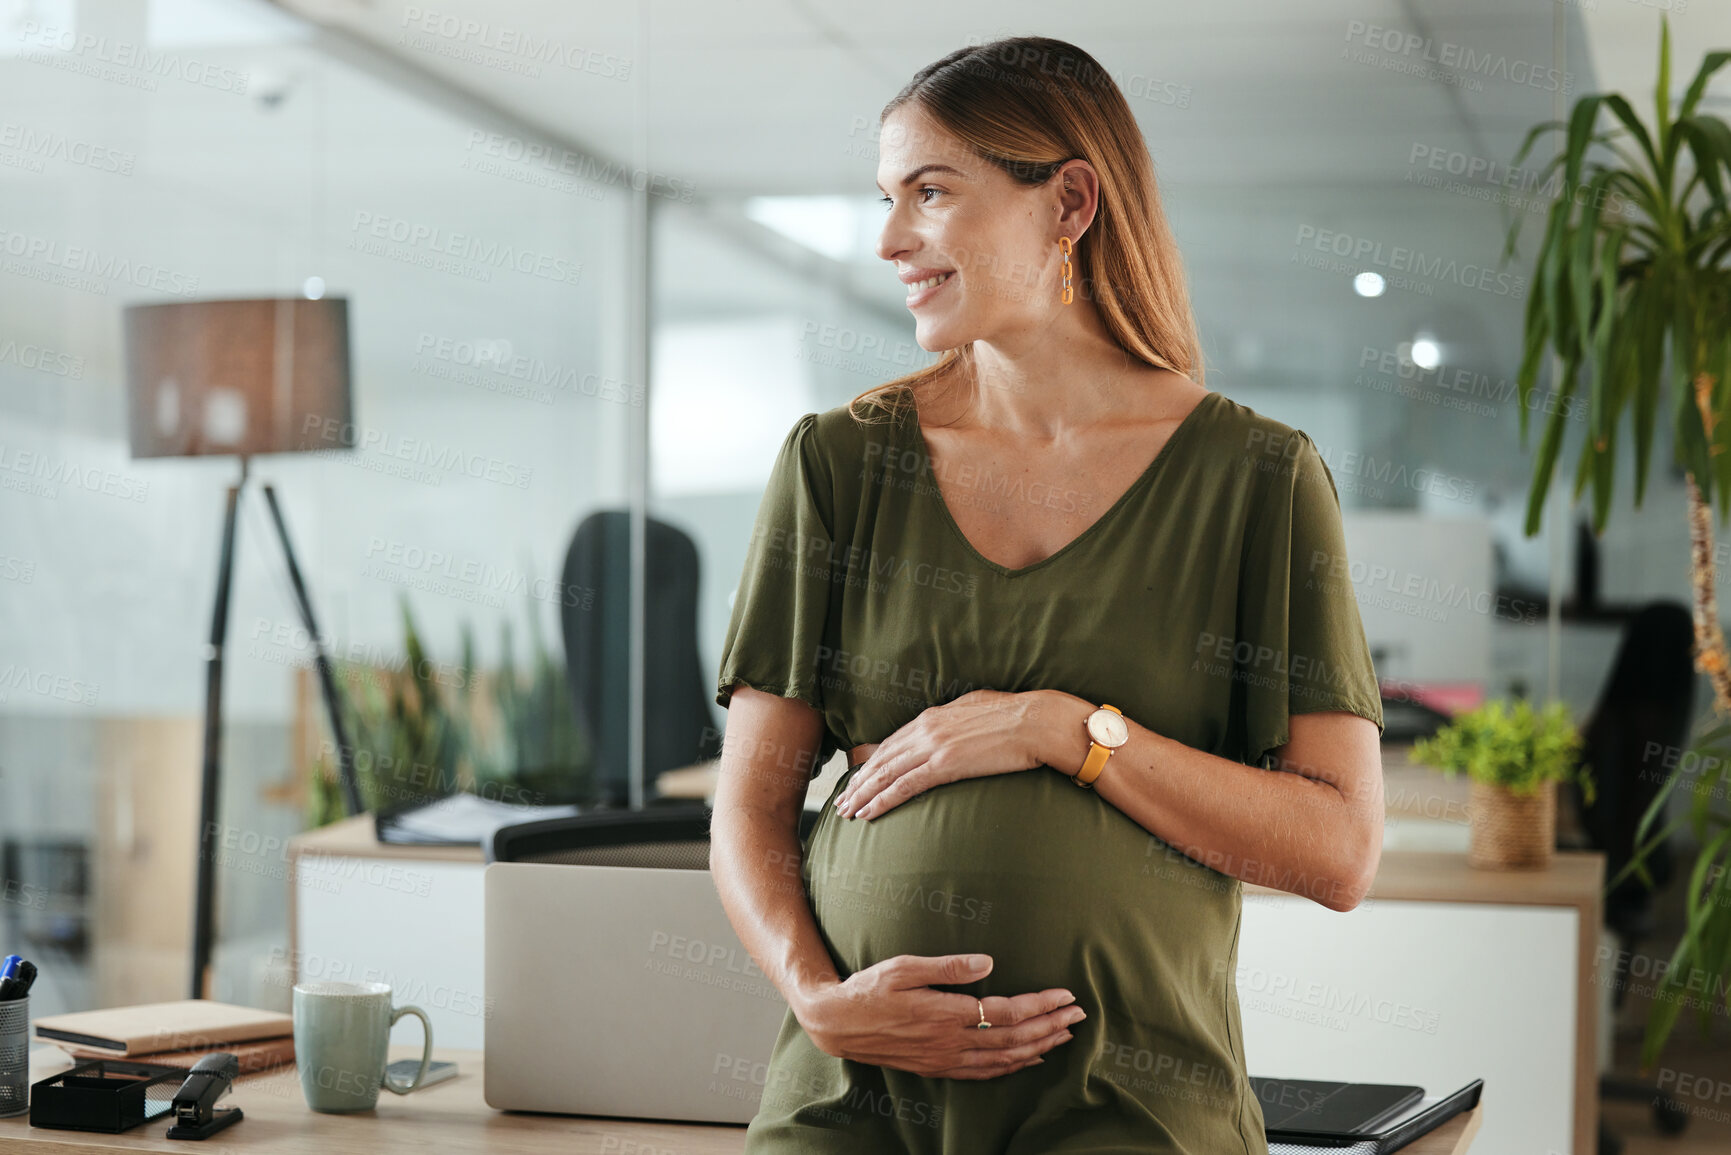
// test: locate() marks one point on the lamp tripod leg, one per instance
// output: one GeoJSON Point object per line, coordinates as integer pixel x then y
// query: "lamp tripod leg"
{"type": "Point", "coordinates": [204, 900]}
{"type": "Point", "coordinates": [327, 679]}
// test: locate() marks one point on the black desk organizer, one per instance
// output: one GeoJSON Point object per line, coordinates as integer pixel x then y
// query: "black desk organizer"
{"type": "Point", "coordinates": [110, 1095]}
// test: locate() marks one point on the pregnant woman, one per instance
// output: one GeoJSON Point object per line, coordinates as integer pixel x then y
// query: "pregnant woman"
{"type": "Point", "coordinates": [1087, 632]}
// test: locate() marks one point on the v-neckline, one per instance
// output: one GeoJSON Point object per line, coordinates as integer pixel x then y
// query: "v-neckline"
{"type": "Point", "coordinates": [912, 420]}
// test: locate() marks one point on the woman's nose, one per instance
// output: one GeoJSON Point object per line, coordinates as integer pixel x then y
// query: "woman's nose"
{"type": "Point", "coordinates": [886, 249]}
{"type": "Point", "coordinates": [893, 239]}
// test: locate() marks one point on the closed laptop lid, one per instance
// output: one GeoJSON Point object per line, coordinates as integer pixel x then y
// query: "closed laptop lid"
{"type": "Point", "coordinates": [1324, 1108]}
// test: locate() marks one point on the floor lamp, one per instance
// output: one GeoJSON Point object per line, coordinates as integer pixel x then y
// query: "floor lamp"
{"type": "Point", "coordinates": [241, 378]}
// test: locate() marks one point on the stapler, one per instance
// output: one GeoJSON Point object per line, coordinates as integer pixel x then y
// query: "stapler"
{"type": "Point", "coordinates": [195, 1112]}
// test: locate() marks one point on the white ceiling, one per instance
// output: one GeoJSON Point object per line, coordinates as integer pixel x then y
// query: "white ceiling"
{"type": "Point", "coordinates": [748, 96]}
{"type": "Point", "coordinates": [1257, 123]}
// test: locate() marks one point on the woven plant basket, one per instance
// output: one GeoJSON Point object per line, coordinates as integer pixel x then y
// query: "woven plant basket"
{"type": "Point", "coordinates": [1512, 831]}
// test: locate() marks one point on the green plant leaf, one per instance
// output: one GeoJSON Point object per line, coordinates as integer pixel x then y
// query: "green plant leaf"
{"type": "Point", "coordinates": [1646, 332]}
{"type": "Point", "coordinates": [1584, 468]}
{"type": "Point", "coordinates": [1622, 111]}
{"type": "Point", "coordinates": [1713, 953]}
{"type": "Point", "coordinates": [1604, 477]}
{"type": "Point", "coordinates": [1710, 64]}
{"type": "Point", "coordinates": [1581, 119]}
{"type": "Point", "coordinates": [1539, 181]}
{"type": "Point", "coordinates": [1581, 278]}
{"type": "Point", "coordinates": [1660, 1020]}
{"type": "Point", "coordinates": [1552, 266]}
{"type": "Point", "coordinates": [1662, 108]}
{"type": "Point", "coordinates": [1668, 998]}
{"type": "Point", "coordinates": [1549, 446]}
{"type": "Point", "coordinates": [1709, 142]}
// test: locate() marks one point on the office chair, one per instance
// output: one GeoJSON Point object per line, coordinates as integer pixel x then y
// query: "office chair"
{"type": "Point", "coordinates": [673, 836]}
{"type": "Point", "coordinates": [1649, 697]}
{"type": "Point", "coordinates": [1404, 719]}
{"type": "Point", "coordinates": [679, 728]}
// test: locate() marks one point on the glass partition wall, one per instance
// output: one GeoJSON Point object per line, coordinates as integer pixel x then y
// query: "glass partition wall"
{"type": "Point", "coordinates": [165, 152]}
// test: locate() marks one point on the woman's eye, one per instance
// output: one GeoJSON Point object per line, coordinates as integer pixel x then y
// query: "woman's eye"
{"type": "Point", "coordinates": [888, 203]}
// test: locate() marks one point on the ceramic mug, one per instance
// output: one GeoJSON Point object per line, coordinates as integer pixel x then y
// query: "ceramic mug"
{"type": "Point", "coordinates": [342, 1038]}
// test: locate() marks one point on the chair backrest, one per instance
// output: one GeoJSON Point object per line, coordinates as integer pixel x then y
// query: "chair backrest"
{"type": "Point", "coordinates": [1630, 741]}
{"type": "Point", "coordinates": [595, 613]}
{"type": "Point", "coordinates": [673, 835]}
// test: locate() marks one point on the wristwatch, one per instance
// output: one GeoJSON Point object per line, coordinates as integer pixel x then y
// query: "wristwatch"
{"type": "Point", "coordinates": [1107, 731]}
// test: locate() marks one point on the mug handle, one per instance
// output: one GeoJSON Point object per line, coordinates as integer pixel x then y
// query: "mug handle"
{"type": "Point", "coordinates": [426, 1050]}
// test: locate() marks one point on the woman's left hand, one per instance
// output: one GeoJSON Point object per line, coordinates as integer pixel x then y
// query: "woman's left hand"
{"type": "Point", "coordinates": [982, 732]}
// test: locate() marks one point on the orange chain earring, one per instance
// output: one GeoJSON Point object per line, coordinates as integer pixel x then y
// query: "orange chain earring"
{"type": "Point", "coordinates": [1064, 247]}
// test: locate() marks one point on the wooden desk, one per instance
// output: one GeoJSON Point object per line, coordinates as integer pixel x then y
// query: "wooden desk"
{"type": "Point", "coordinates": [450, 1118]}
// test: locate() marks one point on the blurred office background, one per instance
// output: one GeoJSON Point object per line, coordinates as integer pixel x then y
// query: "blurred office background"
{"type": "Point", "coordinates": [157, 150]}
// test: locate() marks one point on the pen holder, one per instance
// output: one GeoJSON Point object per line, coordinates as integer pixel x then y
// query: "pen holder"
{"type": "Point", "coordinates": [15, 1056]}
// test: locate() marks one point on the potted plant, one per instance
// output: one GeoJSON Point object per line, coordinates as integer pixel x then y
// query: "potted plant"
{"type": "Point", "coordinates": [430, 729]}
{"type": "Point", "coordinates": [1515, 756]}
{"type": "Point", "coordinates": [1634, 304]}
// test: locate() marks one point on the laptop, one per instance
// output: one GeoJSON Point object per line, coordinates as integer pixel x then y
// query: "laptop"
{"type": "Point", "coordinates": [1304, 1110]}
{"type": "Point", "coordinates": [623, 991]}
{"type": "Point", "coordinates": [1307, 1117]}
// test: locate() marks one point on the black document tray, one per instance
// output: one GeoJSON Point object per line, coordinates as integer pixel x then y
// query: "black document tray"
{"type": "Point", "coordinates": [110, 1095]}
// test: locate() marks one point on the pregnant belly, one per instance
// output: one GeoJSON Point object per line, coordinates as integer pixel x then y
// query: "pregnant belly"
{"type": "Point", "coordinates": [1059, 886]}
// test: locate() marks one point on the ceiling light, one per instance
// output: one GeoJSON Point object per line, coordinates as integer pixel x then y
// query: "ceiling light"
{"type": "Point", "coordinates": [1368, 284]}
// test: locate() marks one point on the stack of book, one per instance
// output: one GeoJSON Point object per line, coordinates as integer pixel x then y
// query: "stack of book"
{"type": "Point", "coordinates": [175, 1034]}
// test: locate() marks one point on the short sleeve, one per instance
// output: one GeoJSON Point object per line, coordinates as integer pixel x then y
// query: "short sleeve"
{"type": "Point", "coordinates": [1301, 646]}
{"type": "Point", "coordinates": [779, 626]}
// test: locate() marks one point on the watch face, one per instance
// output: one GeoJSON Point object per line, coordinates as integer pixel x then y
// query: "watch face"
{"type": "Point", "coordinates": [1108, 728]}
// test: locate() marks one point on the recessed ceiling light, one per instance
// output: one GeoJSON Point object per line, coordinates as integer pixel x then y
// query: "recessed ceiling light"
{"type": "Point", "coordinates": [1368, 284]}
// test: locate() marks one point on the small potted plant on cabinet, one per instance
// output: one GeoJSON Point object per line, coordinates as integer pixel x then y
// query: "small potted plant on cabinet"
{"type": "Point", "coordinates": [1515, 756]}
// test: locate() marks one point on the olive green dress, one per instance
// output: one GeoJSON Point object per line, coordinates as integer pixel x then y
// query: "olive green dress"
{"type": "Point", "coordinates": [1209, 603]}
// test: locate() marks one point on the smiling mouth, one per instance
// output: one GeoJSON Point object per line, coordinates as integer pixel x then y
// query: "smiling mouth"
{"type": "Point", "coordinates": [918, 287]}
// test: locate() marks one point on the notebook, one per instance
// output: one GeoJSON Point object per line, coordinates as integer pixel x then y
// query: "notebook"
{"type": "Point", "coordinates": [263, 1055]}
{"type": "Point", "coordinates": [122, 1032]}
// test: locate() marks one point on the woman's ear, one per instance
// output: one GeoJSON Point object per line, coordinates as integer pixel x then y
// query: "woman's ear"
{"type": "Point", "coordinates": [1078, 194]}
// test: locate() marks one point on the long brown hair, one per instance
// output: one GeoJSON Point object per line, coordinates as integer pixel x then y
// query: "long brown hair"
{"type": "Point", "coordinates": [1028, 104]}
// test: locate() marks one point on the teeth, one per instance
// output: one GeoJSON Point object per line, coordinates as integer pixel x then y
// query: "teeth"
{"type": "Point", "coordinates": [928, 282]}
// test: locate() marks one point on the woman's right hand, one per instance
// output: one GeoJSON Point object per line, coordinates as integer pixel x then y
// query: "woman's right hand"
{"type": "Point", "coordinates": [888, 1015]}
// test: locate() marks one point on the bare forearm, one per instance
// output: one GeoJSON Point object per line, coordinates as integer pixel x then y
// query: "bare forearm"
{"type": "Point", "coordinates": [1288, 831]}
{"type": "Point", "coordinates": [755, 859]}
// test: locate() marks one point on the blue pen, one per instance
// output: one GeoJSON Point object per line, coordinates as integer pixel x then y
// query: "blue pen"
{"type": "Point", "coordinates": [18, 985]}
{"type": "Point", "coordinates": [9, 977]}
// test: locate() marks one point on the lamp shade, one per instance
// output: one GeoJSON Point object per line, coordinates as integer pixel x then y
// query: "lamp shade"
{"type": "Point", "coordinates": [238, 377]}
